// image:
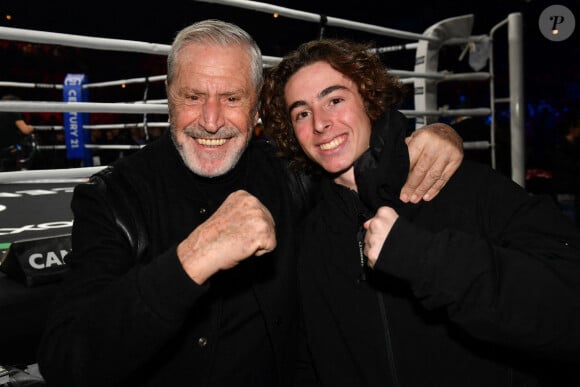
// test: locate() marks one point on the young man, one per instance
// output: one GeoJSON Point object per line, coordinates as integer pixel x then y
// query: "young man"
{"type": "Point", "coordinates": [477, 287]}
{"type": "Point", "coordinates": [182, 269]}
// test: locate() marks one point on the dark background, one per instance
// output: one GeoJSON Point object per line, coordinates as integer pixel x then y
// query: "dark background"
{"type": "Point", "coordinates": [551, 70]}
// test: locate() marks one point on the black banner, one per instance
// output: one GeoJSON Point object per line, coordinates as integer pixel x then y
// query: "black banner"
{"type": "Point", "coordinates": [37, 262]}
{"type": "Point", "coordinates": [35, 226]}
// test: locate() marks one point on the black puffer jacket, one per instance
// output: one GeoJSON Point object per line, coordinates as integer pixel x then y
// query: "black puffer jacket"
{"type": "Point", "coordinates": [478, 287]}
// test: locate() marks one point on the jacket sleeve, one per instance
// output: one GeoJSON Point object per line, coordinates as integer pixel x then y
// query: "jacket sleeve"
{"type": "Point", "coordinates": [114, 311]}
{"type": "Point", "coordinates": [508, 273]}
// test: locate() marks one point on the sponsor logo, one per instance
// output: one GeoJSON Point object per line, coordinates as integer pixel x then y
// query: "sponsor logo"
{"type": "Point", "coordinates": [35, 227]}
{"type": "Point", "coordinates": [40, 261]}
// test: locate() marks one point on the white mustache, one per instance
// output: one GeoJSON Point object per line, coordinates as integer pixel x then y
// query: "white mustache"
{"type": "Point", "coordinates": [199, 132]}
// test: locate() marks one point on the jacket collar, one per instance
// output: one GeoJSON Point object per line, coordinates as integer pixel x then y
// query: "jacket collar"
{"type": "Point", "coordinates": [381, 171]}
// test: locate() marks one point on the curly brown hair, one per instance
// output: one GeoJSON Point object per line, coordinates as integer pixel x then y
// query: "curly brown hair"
{"type": "Point", "coordinates": [379, 90]}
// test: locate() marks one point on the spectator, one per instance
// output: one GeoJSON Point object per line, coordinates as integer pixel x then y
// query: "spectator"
{"type": "Point", "coordinates": [13, 131]}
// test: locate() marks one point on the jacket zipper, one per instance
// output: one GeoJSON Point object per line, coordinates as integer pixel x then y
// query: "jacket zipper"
{"type": "Point", "coordinates": [387, 337]}
{"type": "Point", "coordinates": [362, 257]}
{"type": "Point", "coordinates": [386, 331]}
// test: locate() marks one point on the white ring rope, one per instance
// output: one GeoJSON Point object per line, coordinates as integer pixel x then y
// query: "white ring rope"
{"type": "Point", "coordinates": [152, 48]}
{"type": "Point", "coordinates": [70, 175]}
{"type": "Point", "coordinates": [128, 125]}
{"type": "Point", "coordinates": [444, 112]}
{"type": "Point", "coordinates": [19, 34]}
{"type": "Point", "coordinates": [113, 146]}
{"type": "Point", "coordinates": [85, 107]}
{"type": "Point", "coordinates": [61, 39]}
{"type": "Point", "coordinates": [31, 85]}
{"type": "Point", "coordinates": [108, 126]}
{"type": "Point", "coordinates": [155, 78]}
{"type": "Point", "coordinates": [441, 76]}
{"type": "Point", "coordinates": [330, 21]}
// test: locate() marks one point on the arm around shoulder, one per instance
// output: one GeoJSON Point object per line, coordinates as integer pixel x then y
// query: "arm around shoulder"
{"type": "Point", "coordinates": [435, 153]}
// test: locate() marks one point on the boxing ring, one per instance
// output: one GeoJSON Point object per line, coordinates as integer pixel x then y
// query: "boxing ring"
{"type": "Point", "coordinates": [424, 77]}
{"type": "Point", "coordinates": [35, 219]}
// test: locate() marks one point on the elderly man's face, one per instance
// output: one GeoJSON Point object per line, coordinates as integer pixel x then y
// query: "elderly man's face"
{"type": "Point", "coordinates": [212, 104]}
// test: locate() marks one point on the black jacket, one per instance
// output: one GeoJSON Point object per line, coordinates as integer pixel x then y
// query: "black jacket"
{"type": "Point", "coordinates": [128, 313]}
{"type": "Point", "coordinates": [478, 287]}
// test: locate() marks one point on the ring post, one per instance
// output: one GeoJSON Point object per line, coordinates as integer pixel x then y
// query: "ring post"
{"type": "Point", "coordinates": [75, 135]}
{"type": "Point", "coordinates": [516, 89]}
{"type": "Point", "coordinates": [427, 61]}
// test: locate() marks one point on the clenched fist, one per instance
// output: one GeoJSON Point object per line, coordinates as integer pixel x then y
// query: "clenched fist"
{"type": "Point", "coordinates": [377, 230]}
{"type": "Point", "coordinates": [240, 228]}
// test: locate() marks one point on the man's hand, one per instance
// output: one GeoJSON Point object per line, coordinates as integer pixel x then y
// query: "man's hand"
{"type": "Point", "coordinates": [240, 228]}
{"type": "Point", "coordinates": [435, 153]}
{"type": "Point", "coordinates": [377, 230]}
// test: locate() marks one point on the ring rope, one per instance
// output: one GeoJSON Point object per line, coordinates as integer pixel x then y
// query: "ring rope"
{"type": "Point", "coordinates": [70, 175]}
{"type": "Point", "coordinates": [86, 107]}
{"type": "Point", "coordinates": [330, 21]}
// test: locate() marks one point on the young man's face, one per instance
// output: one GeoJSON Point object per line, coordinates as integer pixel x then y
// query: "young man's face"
{"type": "Point", "coordinates": [212, 107]}
{"type": "Point", "coordinates": [328, 117]}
